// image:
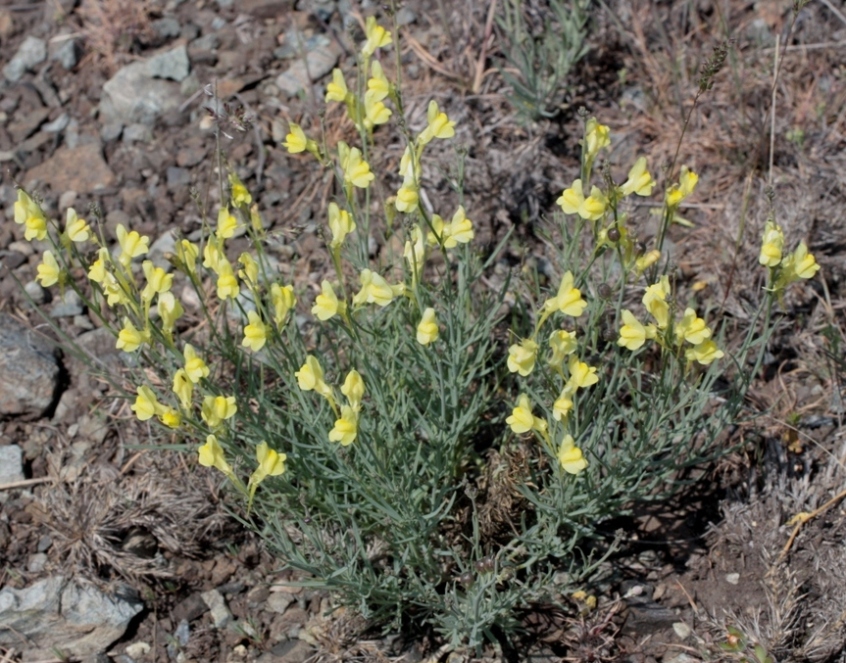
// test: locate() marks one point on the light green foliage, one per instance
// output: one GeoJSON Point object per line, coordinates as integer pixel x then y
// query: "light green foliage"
{"type": "Point", "coordinates": [538, 61]}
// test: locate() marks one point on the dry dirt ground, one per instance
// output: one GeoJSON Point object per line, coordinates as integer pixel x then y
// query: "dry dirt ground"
{"type": "Point", "coordinates": [693, 569]}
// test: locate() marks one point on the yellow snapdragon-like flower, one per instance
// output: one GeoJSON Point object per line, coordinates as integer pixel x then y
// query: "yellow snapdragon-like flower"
{"type": "Point", "coordinates": [240, 194]}
{"type": "Point", "coordinates": [458, 231]}
{"type": "Point", "coordinates": [97, 272]}
{"type": "Point", "coordinates": [249, 269]}
{"type": "Point", "coordinates": [570, 456]}
{"type": "Point", "coordinates": [375, 111]}
{"type": "Point", "coordinates": [374, 290]}
{"type": "Point", "coordinates": [427, 328]}
{"type": "Point", "coordinates": [213, 256]}
{"type": "Point", "coordinates": [255, 333]}
{"type": "Point", "coordinates": [77, 230]}
{"type": "Point", "coordinates": [341, 224]}
{"type": "Point", "coordinates": [130, 338]}
{"type": "Point", "coordinates": [678, 192]}
{"type": "Point", "coordinates": [271, 463]}
{"type": "Point", "coordinates": [597, 136]}
{"type": "Point", "coordinates": [633, 333]}
{"type": "Point", "coordinates": [438, 125]}
{"type": "Point", "coordinates": [211, 455]}
{"type": "Point", "coordinates": [691, 328]}
{"type": "Point", "coordinates": [377, 37]}
{"type": "Point", "coordinates": [282, 298]}
{"type": "Point", "coordinates": [227, 223]}
{"type": "Point", "coordinates": [415, 251]}
{"type": "Point", "coordinates": [407, 197]}
{"type": "Point", "coordinates": [644, 262]}
{"type": "Point", "coordinates": [183, 387]}
{"type": "Point", "coordinates": [132, 245]}
{"type": "Point", "coordinates": [704, 353]}
{"type": "Point", "coordinates": [568, 300]}
{"type": "Point", "coordinates": [326, 304]}
{"type": "Point", "coordinates": [573, 201]}
{"type": "Point", "coordinates": [227, 284]}
{"type": "Point", "coordinates": [28, 214]}
{"type": "Point", "coordinates": [802, 263]}
{"type": "Point", "coordinates": [346, 428]}
{"type": "Point", "coordinates": [522, 420]}
{"type": "Point", "coordinates": [563, 405]}
{"type": "Point", "coordinates": [310, 378]}
{"type": "Point", "coordinates": [356, 170]}
{"type": "Point", "coordinates": [377, 85]}
{"type": "Point", "coordinates": [295, 141]}
{"type": "Point", "coordinates": [581, 375]}
{"type": "Point", "coordinates": [655, 301]}
{"type": "Point", "coordinates": [187, 253]}
{"type": "Point", "coordinates": [170, 417]}
{"type": "Point", "coordinates": [336, 90]}
{"type": "Point", "coordinates": [48, 270]}
{"type": "Point", "coordinates": [217, 409]}
{"type": "Point", "coordinates": [563, 344]}
{"type": "Point", "coordinates": [522, 356]}
{"type": "Point", "coordinates": [158, 281]}
{"type": "Point", "coordinates": [639, 180]}
{"type": "Point", "coordinates": [195, 367]}
{"type": "Point", "coordinates": [115, 294]}
{"type": "Point", "coordinates": [146, 404]}
{"type": "Point", "coordinates": [353, 389]}
{"type": "Point", "coordinates": [772, 245]}
{"type": "Point", "coordinates": [170, 310]}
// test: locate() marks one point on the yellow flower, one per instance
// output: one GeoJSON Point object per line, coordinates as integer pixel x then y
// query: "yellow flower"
{"type": "Point", "coordinates": [227, 223]}
{"type": "Point", "coordinates": [211, 455]}
{"type": "Point", "coordinates": [213, 256]}
{"type": "Point", "coordinates": [310, 375]}
{"type": "Point", "coordinates": [375, 111]}
{"type": "Point", "coordinates": [337, 89]}
{"type": "Point", "coordinates": [646, 261]}
{"type": "Point", "coordinates": [639, 182]}
{"type": "Point", "coordinates": [705, 353]}
{"type": "Point", "coordinates": [130, 338]}
{"type": "Point", "coordinates": [407, 197]}
{"type": "Point", "coordinates": [581, 375]}
{"type": "Point", "coordinates": [183, 388]}
{"type": "Point", "coordinates": [227, 284]}
{"type": "Point", "coordinates": [522, 420]}
{"type": "Point", "coordinates": [217, 409]}
{"type": "Point", "coordinates": [563, 343]}
{"type": "Point", "coordinates": [48, 270]}
{"type": "Point", "coordinates": [655, 301]}
{"type": "Point", "coordinates": [522, 356]}
{"type": "Point", "coordinates": [438, 125]}
{"type": "Point", "coordinates": [800, 264]}
{"type": "Point", "coordinates": [158, 281]}
{"type": "Point", "coordinates": [377, 37]}
{"type": "Point", "coordinates": [563, 405]}
{"type": "Point", "coordinates": [573, 201]}
{"type": "Point", "coordinates": [326, 304]}
{"type": "Point", "coordinates": [28, 214]}
{"type": "Point", "coordinates": [77, 229]}
{"type": "Point", "coordinates": [633, 334]}
{"type": "Point", "coordinates": [427, 328]}
{"type": "Point", "coordinates": [691, 328]}
{"type": "Point", "coordinates": [346, 428]}
{"type": "Point", "coordinates": [295, 141]}
{"type": "Point", "coordinates": [568, 300]}
{"type": "Point", "coordinates": [132, 245]}
{"type": "Point", "coordinates": [597, 136]}
{"type": "Point", "coordinates": [282, 298]}
{"type": "Point", "coordinates": [678, 192]}
{"type": "Point", "coordinates": [114, 291]}
{"type": "Point", "coordinates": [255, 333]}
{"type": "Point", "coordinates": [240, 194]}
{"type": "Point", "coordinates": [459, 230]}
{"type": "Point", "coordinates": [570, 456]}
{"type": "Point", "coordinates": [356, 170]}
{"type": "Point", "coordinates": [170, 417]}
{"type": "Point", "coordinates": [187, 253]}
{"type": "Point", "coordinates": [271, 463]}
{"type": "Point", "coordinates": [377, 85]}
{"type": "Point", "coordinates": [97, 271]}
{"type": "Point", "coordinates": [146, 404]}
{"type": "Point", "coordinates": [170, 310]}
{"type": "Point", "coordinates": [256, 221]}
{"type": "Point", "coordinates": [374, 290]}
{"type": "Point", "coordinates": [195, 367]}
{"type": "Point", "coordinates": [771, 245]}
{"type": "Point", "coordinates": [340, 223]}
{"type": "Point", "coordinates": [353, 389]}
{"type": "Point", "coordinates": [250, 270]}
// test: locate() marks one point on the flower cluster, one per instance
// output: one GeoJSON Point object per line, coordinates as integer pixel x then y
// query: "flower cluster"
{"type": "Point", "coordinates": [310, 378]}
{"type": "Point", "coordinates": [784, 269]}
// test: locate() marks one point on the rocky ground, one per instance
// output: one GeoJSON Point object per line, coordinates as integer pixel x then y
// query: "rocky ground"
{"type": "Point", "coordinates": [114, 549]}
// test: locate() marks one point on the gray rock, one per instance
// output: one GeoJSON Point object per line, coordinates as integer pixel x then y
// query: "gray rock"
{"type": "Point", "coordinates": [67, 54]}
{"type": "Point", "coordinates": [111, 131]}
{"type": "Point", "coordinates": [61, 614]}
{"type": "Point", "coordinates": [405, 16]}
{"type": "Point", "coordinates": [278, 602]}
{"type": "Point", "coordinates": [57, 125]}
{"type": "Point", "coordinates": [35, 292]}
{"type": "Point", "coordinates": [206, 43]}
{"type": "Point", "coordinates": [28, 371]}
{"type": "Point", "coordinates": [317, 64]}
{"type": "Point", "coordinates": [32, 51]}
{"type": "Point", "coordinates": [11, 464]}
{"type": "Point", "coordinates": [172, 64]}
{"type": "Point", "coordinates": [137, 133]}
{"type": "Point", "coordinates": [36, 563]}
{"type": "Point", "coordinates": [132, 95]}
{"type": "Point", "coordinates": [217, 606]}
{"type": "Point", "coordinates": [68, 305]}
{"type": "Point", "coordinates": [178, 177]}
{"type": "Point", "coordinates": [167, 27]}
{"type": "Point", "coordinates": [160, 248]}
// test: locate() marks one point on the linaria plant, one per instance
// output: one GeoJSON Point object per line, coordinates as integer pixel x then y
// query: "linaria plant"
{"type": "Point", "coordinates": [383, 444]}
